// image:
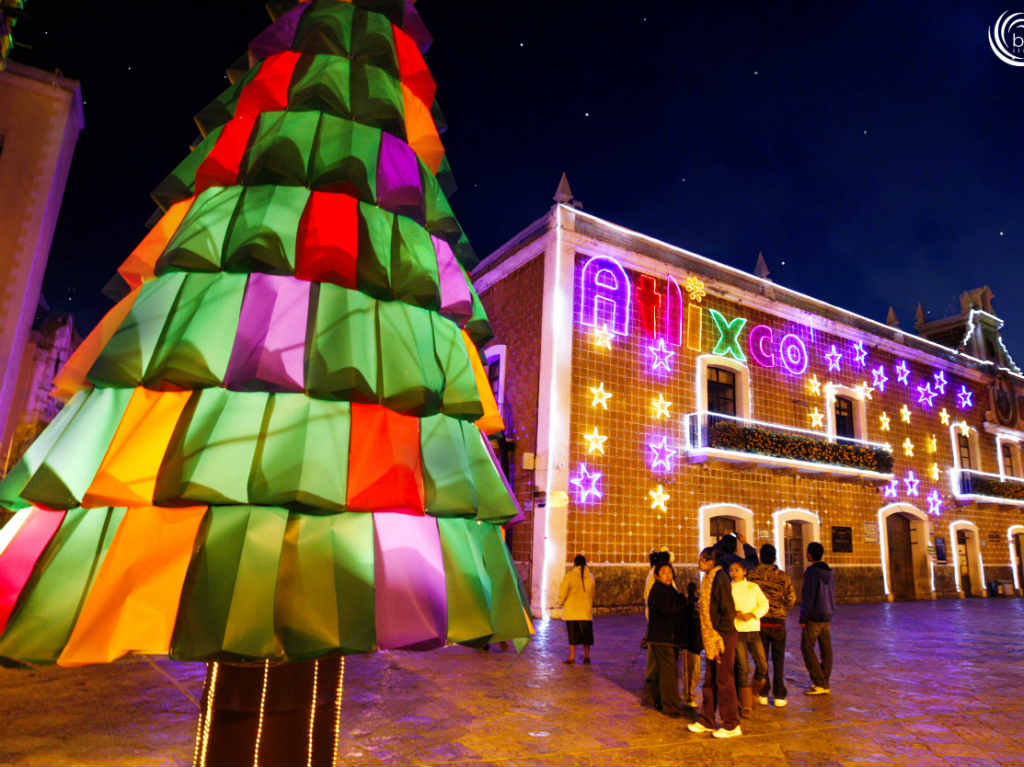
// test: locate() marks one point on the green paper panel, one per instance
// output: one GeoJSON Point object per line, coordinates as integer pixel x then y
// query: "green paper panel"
{"type": "Point", "coordinates": [129, 352]}
{"type": "Point", "coordinates": [49, 606]}
{"type": "Point", "coordinates": [325, 28]}
{"type": "Point", "coordinates": [222, 108]}
{"type": "Point", "coordinates": [411, 380]}
{"type": "Point", "coordinates": [302, 453]}
{"type": "Point", "coordinates": [263, 231]}
{"type": "Point", "coordinates": [466, 584]}
{"type": "Point", "coordinates": [345, 158]}
{"type": "Point", "coordinates": [464, 252]}
{"type": "Point", "coordinates": [444, 175]}
{"type": "Point", "coordinates": [373, 42]}
{"type": "Point", "coordinates": [447, 478]}
{"type": "Point", "coordinates": [354, 580]}
{"type": "Point", "coordinates": [377, 99]}
{"type": "Point", "coordinates": [61, 480]}
{"type": "Point", "coordinates": [441, 222]}
{"type": "Point", "coordinates": [198, 243]}
{"type": "Point", "coordinates": [179, 185]}
{"type": "Point", "coordinates": [321, 83]}
{"type": "Point", "coordinates": [14, 483]}
{"type": "Point", "coordinates": [374, 242]}
{"type": "Point", "coordinates": [477, 327]}
{"type": "Point", "coordinates": [211, 453]}
{"type": "Point", "coordinates": [342, 357]}
{"type": "Point", "coordinates": [459, 398]}
{"type": "Point", "coordinates": [414, 277]}
{"type": "Point", "coordinates": [280, 148]}
{"type": "Point", "coordinates": [195, 346]}
{"type": "Point", "coordinates": [507, 610]}
{"type": "Point", "coordinates": [494, 503]}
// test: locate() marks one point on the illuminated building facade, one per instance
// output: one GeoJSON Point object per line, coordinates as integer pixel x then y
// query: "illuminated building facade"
{"type": "Point", "coordinates": [655, 398]}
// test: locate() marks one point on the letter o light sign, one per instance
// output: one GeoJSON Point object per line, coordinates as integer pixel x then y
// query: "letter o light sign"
{"type": "Point", "coordinates": [792, 350]}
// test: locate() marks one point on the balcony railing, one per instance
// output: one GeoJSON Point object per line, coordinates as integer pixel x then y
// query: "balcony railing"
{"type": "Point", "coordinates": [743, 440]}
{"type": "Point", "coordinates": [970, 486]}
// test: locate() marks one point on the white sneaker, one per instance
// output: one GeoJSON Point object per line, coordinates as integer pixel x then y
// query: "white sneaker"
{"type": "Point", "coordinates": [780, 702]}
{"type": "Point", "coordinates": [721, 732]}
{"type": "Point", "coordinates": [699, 728]}
{"type": "Point", "coordinates": [762, 699]}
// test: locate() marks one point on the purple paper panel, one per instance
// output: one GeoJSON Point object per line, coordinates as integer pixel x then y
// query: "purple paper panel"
{"type": "Point", "coordinates": [278, 36]}
{"type": "Point", "coordinates": [409, 588]}
{"type": "Point", "coordinates": [456, 301]}
{"type": "Point", "coordinates": [270, 345]}
{"type": "Point", "coordinates": [398, 179]}
{"type": "Point", "coordinates": [413, 26]}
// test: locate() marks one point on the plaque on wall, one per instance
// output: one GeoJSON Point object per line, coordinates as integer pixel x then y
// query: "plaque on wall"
{"type": "Point", "coordinates": [870, 532]}
{"type": "Point", "coordinates": [842, 540]}
{"type": "Point", "coordinates": [994, 537]}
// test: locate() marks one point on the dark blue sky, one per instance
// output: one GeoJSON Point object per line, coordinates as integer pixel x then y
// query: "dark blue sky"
{"type": "Point", "coordinates": [872, 152]}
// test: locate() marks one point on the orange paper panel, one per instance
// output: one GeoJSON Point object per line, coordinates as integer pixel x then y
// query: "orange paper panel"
{"type": "Point", "coordinates": [133, 604]}
{"type": "Point", "coordinates": [490, 422]}
{"type": "Point", "coordinates": [421, 133]}
{"type": "Point", "coordinates": [138, 267]}
{"type": "Point", "coordinates": [127, 475]}
{"type": "Point", "coordinates": [384, 471]}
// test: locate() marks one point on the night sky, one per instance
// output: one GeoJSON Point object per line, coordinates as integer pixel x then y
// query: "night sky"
{"type": "Point", "coordinates": [873, 153]}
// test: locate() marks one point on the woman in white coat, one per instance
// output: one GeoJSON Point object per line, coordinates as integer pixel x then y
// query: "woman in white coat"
{"type": "Point", "coordinates": [576, 597]}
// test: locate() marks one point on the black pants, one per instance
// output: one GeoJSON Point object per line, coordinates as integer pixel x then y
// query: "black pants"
{"type": "Point", "coordinates": [720, 687]}
{"type": "Point", "coordinates": [774, 640]}
{"type": "Point", "coordinates": [750, 641]}
{"type": "Point", "coordinates": [817, 633]}
{"type": "Point", "coordinates": [661, 680]}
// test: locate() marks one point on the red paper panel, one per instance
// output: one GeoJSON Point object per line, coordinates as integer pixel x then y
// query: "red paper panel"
{"type": "Point", "coordinates": [20, 557]}
{"type": "Point", "coordinates": [384, 471]}
{"type": "Point", "coordinates": [220, 168]}
{"type": "Point", "coordinates": [327, 242]}
{"type": "Point", "coordinates": [268, 90]}
{"type": "Point", "coordinates": [413, 69]}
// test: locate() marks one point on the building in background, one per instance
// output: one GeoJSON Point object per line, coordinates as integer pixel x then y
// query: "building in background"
{"type": "Point", "coordinates": [660, 399]}
{"type": "Point", "coordinates": [40, 120]}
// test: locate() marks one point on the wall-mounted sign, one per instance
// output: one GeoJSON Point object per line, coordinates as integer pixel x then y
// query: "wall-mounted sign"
{"type": "Point", "coordinates": [871, 532]}
{"type": "Point", "coordinates": [842, 540]}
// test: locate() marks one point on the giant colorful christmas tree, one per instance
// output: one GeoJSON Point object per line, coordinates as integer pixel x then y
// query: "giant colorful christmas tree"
{"type": "Point", "coordinates": [274, 447]}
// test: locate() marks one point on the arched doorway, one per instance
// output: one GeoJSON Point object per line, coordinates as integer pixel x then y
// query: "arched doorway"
{"type": "Point", "coordinates": [968, 568]}
{"type": "Point", "coordinates": [1015, 537]}
{"type": "Point", "coordinates": [717, 519]}
{"type": "Point", "coordinates": [794, 529]}
{"type": "Point", "coordinates": [907, 570]}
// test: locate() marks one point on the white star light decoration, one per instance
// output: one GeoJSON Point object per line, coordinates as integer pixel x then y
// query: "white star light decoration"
{"type": "Point", "coordinates": [860, 354]}
{"type": "Point", "coordinates": [965, 430]}
{"type": "Point", "coordinates": [903, 373]}
{"type": "Point", "coordinates": [661, 454]}
{"type": "Point", "coordinates": [880, 378]}
{"type": "Point", "coordinates": [602, 337]}
{"type": "Point", "coordinates": [934, 503]}
{"type": "Point", "coordinates": [884, 421]}
{"type": "Point", "coordinates": [940, 382]}
{"type": "Point", "coordinates": [905, 414]}
{"type": "Point", "coordinates": [833, 357]}
{"type": "Point", "coordinates": [662, 354]}
{"type": "Point", "coordinates": [661, 406]}
{"type": "Point", "coordinates": [601, 396]}
{"type": "Point", "coordinates": [964, 398]}
{"type": "Point", "coordinates": [925, 395]}
{"type": "Point", "coordinates": [814, 385]}
{"type": "Point", "coordinates": [595, 441]}
{"type": "Point", "coordinates": [892, 488]}
{"type": "Point", "coordinates": [911, 482]}
{"type": "Point", "coordinates": [908, 448]}
{"type": "Point", "coordinates": [944, 417]}
{"type": "Point", "coordinates": [817, 419]}
{"type": "Point", "coordinates": [658, 498]}
{"type": "Point", "coordinates": [586, 484]}
{"type": "Point", "coordinates": [863, 390]}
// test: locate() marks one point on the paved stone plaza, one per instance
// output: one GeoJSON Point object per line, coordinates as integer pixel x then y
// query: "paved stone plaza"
{"type": "Point", "coordinates": [915, 683]}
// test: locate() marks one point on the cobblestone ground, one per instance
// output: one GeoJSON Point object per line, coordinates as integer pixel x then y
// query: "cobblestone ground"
{"type": "Point", "coordinates": [918, 683]}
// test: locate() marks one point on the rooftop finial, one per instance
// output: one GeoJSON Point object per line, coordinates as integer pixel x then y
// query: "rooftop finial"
{"type": "Point", "coordinates": [892, 319]}
{"type": "Point", "coordinates": [761, 268]}
{"type": "Point", "coordinates": [563, 195]}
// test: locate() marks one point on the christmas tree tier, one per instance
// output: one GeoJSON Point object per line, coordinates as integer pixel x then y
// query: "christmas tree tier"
{"type": "Point", "coordinates": [248, 582]}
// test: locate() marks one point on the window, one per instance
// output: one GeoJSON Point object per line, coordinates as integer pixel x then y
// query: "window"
{"type": "Point", "coordinates": [1006, 449]}
{"type": "Point", "coordinates": [721, 391]}
{"type": "Point", "coordinates": [722, 526]}
{"type": "Point", "coordinates": [963, 447]}
{"type": "Point", "coordinates": [844, 417]}
{"type": "Point", "coordinates": [940, 549]}
{"type": "Point", "coordinates": [494, 360]}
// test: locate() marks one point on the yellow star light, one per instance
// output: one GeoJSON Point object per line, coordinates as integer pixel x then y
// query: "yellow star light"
{"type": "Point", "coordinates": [601, 396]}
{"type": "Point", "coordinates": [814, 385]}
{"type": "Point", "coordinates": [905, 414]}
{"type": "Point", "coordinates": [884, 421]}
{"type": "Point", "coordinates": [933, 472]}
{"type": "Point", "coordinates": [932, 444]}
{"type": "Point", "coordinates": [595, 441]}
{"type": "Point", "coordinates": [864, 391]}
{"type": "Point", "coordinates": [944, 417]}
{"type": "Point", "coordinates": [817, 419]}
{"type": "Point", "coordinates": [695, 288]}
{"type": "Point", "coordinates": [908, 447]}
{"type": "Point", "coordinates": [658, 498]}
{"type": "Point", "coordinates": [602, 337]}
{"type": "Point", "coordinates": [661, 406]}
{"type": "Point", "coordinates": [964, 428]}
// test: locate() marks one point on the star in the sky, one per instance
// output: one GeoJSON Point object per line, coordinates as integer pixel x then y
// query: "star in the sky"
{"type": "Point", "coordinates": [860, 354]}
{"type": "Point", "coordinates": [601, 396]}
{"type": "Point", "coordinates": [892, 488]}
{"type": "Point", "coordinates": [662, 354]}
{"type": "Point", "coordinates": [933, 472]}
{"type": "Point", "coordinates": [940, 381]}
{"type": "Point", "coordinates": [925, 395]}
{"type": "Point", "coordinates": [880, 378]}
{"type": "Point", "coordinates": [817, 419]}
{"type": "Point", "coordinates": [903, 373]}
{"type": "Point", "coordinates": [814, 385]}
{"type": "Point", "coordinates": [833, 358]}
{"type": "Point", "coordinates": [905, 414]}
{"type": "Point", "coordinates": [965, 430]}
{"type": "Point", "coordinates": [884, 421]}
{"type": "Point", "coordinates": [661, 406]}
{"type": "Point", "coordinates": [602, 337]}
{"type": "Point", "coordinates": [864, 391]}
{"type": "Point", "coordinates": [595, 441]}
{"type": "Point", "coordinates": [661, 454]}
{"type": "Point", "coordinates": [944, 417]}
{"type": "Point", "coordinates": [911, 482]}
{"type": "Point", "coordinates": [658, 498]}
{"type": "Point", "coordinates": [934, 503]}
{"type": "Point", "coordinates": [931, 444]}
{"type": "Point", "coordinates": [964, 398]}
{"type": "Point", "coordinates": [908, 448]}
{"type": "Point", "coordinates": [586, 484]}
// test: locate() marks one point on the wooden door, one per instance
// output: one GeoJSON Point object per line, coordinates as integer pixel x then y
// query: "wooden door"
{"type": "Point", "coordinates": [794, 561]}
{"type": "Point", "coordinates": [901, 568]}
{"type": "Point", "coordinates": [965, 563]}
{"type": "Point", "coordinates": [1020, 564]}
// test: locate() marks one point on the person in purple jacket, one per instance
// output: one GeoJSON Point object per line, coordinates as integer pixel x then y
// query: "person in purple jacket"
{"type": "Point", "coordinates": [817, 603]}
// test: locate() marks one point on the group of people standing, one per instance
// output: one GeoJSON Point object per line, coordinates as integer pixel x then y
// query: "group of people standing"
{"type": "Point", "coordinates": [737, 614]}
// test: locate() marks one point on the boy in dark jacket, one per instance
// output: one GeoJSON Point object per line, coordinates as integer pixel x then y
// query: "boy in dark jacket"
{"type": "Point", "coordinates": [778, 588]}
{"type": "Point", "coordinates": [817, 603]}
{"type": "Point", "coordinates": [666, 630]}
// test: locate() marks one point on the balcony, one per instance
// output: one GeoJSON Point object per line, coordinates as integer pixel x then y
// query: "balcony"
{"type": "Point", "coordinates": [771, 445]}
{"type": "Point", "coordinates": [971, 486]}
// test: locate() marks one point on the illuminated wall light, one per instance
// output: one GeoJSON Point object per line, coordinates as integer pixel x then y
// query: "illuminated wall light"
{"type": "Point", "coordinates": [860, 354]}
{"type": "Point", "coordinates": [964, 398]}
{"type": "Point", "coordinates": [728, 344]}
{"type": "Point", "coordinates": [695, 289]}
{"type": "Point", "coordinates": [661, 356]}
{"type": "Point", "coordinates": [794, 354]}
{"type": "Point", "coordinates": [658, 498]}
{"type": "Point", "coordinates": [694, 327]}
{"type": "Point", "coordinates": [661, 455]}
{"type": "Point", "coordinates": [965, 430]}
{"type": "Point", "coordinates": [673, 320]}
{"type": "Point", "coordinates": [933, 472]}
{"type": "Point", "coordinates": [863, 390]}
{"type": "Point", "coordinates": [601, 396]}
{"type": "Point", "coordinates": [817, 418]}
{"type": "Point", "coordinates": [759, 342]}
{"type": "Point", "coordinates": [602, 337]}
{"type": "Point", "coordinates": [595, 442]}
{"type": "Point", "coordinates": [879, 378]}
{"type": "Point", "coordinates": [604, 283]}
{"type": "Point", "coordinates": [939, 378]}
{"type": "Point", "coordinates": [884, 421]}
{"type": "Point", "coordinates": [814, 385]}
{"type": "Point", "coordinates": [925, 395]}
{"type": "Point", "coordinates": [908, 447]}
{"type": "Point", "coordinates": [586, 484]}
{"type": "Point", "coordinates": [661, 406]}
{"type": "Point", "coordinates": [903, 373]}
{"type": "Point", "coordinates": [834, 356]}
{"type": "Point", "coordinates": [931, 444]}
{"type": "Point", "coordinates": [892, 488]}
{"type": "Point", "coordinates": [944, 417]}
{"type": "Point", "coordinates": [648, 302]}
{"type": "Point", "coordinates": [911, 482]}
{"type": "Point", "coordinates": [905, 414]}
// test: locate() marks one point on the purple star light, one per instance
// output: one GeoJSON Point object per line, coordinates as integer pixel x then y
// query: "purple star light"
{"type": "Point", "coordinates": [911, 482]}
{"type": "Point", "coordinates": [892, 488]}
{"type": "Point", "coordinates": [586, 484]}
{"type": "Point", "coordinates": [934, 503]}
{"type": "Point", "coordinates": [833, 358]}
{"type": "Point", "coordinates": [662, 354]}
{"type": "Point", "coordinates": [903, 373]}
{"type": "Point", "coordinates": [925, 395]}
{"type": "Point", "coordinates": [880, 377]}
{"type": "Point", "coordinates": [661, 454]}
{"type": "Point", "coordinates": [860, 354]}
{"type": "Point", "coordinates": [940, 381]}
{"type": "Point", "coordinates": [964, 398]}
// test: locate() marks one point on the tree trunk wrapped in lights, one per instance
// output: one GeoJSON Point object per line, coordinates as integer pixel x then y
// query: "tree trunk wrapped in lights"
{"type": "Point", "coordinates": [274, 450]}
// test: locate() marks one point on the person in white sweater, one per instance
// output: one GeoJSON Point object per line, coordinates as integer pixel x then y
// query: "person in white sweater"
{"type": "Point", "coordinates": [751, 606]}
{"type": "Point", "coordinates": [576, 598]}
